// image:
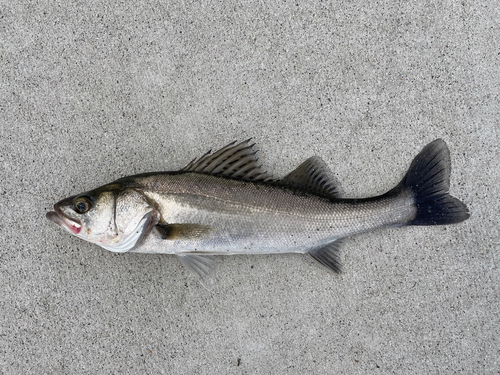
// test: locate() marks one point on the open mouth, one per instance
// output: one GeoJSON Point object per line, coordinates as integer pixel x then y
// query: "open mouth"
{"type": "Point", "coordinates": [58, 217]}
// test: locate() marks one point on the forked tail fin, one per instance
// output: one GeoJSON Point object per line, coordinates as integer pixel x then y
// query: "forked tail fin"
{"type": "Point", "coordinates": [429, 180]}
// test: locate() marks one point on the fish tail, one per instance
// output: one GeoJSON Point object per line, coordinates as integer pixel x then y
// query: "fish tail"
{"type": "Point", "coordinates": [428, 178]}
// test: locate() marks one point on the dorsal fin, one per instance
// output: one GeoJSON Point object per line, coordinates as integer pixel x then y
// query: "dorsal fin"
{"type": "Point", "coordinates": [234, 161]}
{"type": "Point", "coordinates": [314, 176]}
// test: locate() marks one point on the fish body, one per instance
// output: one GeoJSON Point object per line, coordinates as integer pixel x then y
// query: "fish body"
{"type": "Point", "coordinates": [243, 217]}
{"type": "Point", "coordinates": [225, 204]}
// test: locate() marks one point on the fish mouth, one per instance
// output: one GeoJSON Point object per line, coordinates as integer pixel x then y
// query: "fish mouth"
{"type": "Point", "coordinates": [58, 217]}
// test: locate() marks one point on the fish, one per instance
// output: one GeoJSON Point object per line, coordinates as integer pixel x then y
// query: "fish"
{"type": "Point", "coordinates": [225, 203]}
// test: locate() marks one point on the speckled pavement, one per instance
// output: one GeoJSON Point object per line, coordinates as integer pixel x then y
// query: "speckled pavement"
{"type": "Point", "coordinates": [93, 91]}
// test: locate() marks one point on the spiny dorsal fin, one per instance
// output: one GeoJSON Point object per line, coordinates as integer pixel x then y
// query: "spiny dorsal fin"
{"type": "Point", "coordinates": [234, 161]}
{"type": "Point", "coordinates": [328, 255]}
{"type": "Point", "coordinates": [314, 176]}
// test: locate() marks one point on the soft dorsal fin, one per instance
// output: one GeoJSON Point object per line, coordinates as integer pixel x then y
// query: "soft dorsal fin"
{"type": "Point", "coordinates": [314, 176]}
{"type": "Point", "coordinates": [233, 161]}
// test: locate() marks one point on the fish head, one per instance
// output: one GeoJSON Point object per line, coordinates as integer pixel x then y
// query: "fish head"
{"type": "Point", "coordinates": [113, 216]}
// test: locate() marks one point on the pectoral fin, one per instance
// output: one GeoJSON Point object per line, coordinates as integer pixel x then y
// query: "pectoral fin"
{"type": "Point", "coordinates": [184, 231]}
{"type": "Point", "coordinates": [204, 266]}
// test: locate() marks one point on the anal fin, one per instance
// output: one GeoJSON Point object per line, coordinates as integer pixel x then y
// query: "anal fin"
{"type": "Point", "coordinates": [328, 255]}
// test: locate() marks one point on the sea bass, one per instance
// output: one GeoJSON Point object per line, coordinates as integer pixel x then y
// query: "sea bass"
{"type": "Point", "coordinates": [225, 203]}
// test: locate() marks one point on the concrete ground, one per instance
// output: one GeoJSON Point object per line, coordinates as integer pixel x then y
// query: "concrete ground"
{"type": "Point", "coordinates": [93, 91]}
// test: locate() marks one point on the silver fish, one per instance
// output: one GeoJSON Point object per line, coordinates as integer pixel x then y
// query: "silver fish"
{"type": "Point", "coordinates": [224, 203]}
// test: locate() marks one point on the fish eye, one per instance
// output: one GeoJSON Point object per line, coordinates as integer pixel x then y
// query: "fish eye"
{"type": "Point", "coordinates": [82, 205]}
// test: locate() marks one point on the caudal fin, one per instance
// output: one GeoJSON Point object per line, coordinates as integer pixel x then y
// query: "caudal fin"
{"type": "Point", "coordinates": [429, 180]}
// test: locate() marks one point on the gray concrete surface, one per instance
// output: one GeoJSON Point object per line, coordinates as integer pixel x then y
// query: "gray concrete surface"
{"type": "Point", "coordinates": [92, 91]}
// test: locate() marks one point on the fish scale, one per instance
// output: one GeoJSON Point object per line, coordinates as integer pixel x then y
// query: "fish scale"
{"type": "Point", "coordinates": [256, 218]}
